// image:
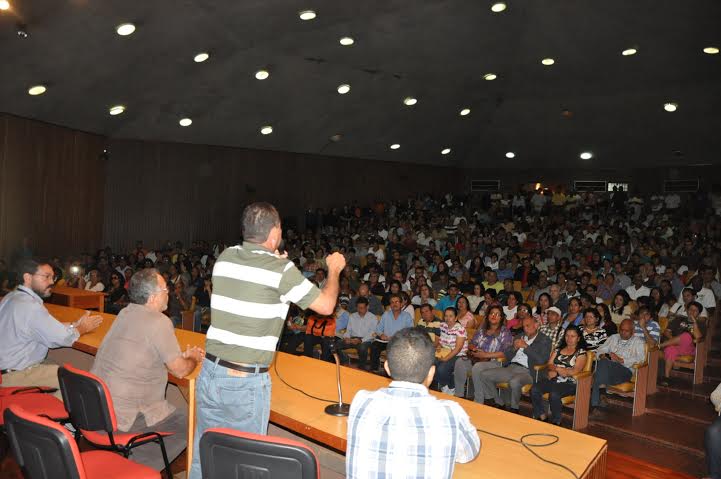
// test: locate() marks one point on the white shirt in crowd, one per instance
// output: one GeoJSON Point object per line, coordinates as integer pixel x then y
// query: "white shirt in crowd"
{"type": "Point", "coordinates": [634, 293]}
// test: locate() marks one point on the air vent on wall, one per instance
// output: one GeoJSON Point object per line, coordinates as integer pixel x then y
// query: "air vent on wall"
{"type": "Point", "coordinates": [585, 185]}
{"type": "Point", "coordinates": [485, 185]}
{"type": "Point", "coordinates": [680, 186]}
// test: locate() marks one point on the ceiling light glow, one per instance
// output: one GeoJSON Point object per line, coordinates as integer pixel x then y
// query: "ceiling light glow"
{"type": "Point", "coordinates": [395, 146]}
{"type": "Point", "coordinates": [125, 29]}
{"type": "Point", "coordinates": [465, 111]}
{"type": "Point", "coordinates": [37, 90]}
{"type": "Point", "coordinates": [266, 130]}
{"type": "Point", "coordinates": [445, 151]}
{"type": "Point", "coordinates": [629, 51]}
{"type": "Point", "coordinates": [185, 122]}
{"type": "Point", "coordinates": [117, 110]}
{"type": "Point", "coordinates": [262, 74]}
{"type": "Point", "coordinates": [711, 50]}
{"type": "Point", "coordinates": [346, 41]}
{"type": "Point", "coordinates": [670, 107]}
{"type": "Point", "coordinates": [510, 155]}
{"type": "Point", "coordinates": [343, 89]}
{"type": "Point", "coordinates": [490, 76]}
{"type": "Point", "coordinates": [201, 57]}
{"type": "Point", "coordinates": [410, 101]}
{"type": "Point", "coordinates": [498, 7]}
{"type": "Point", "coordinates": [4, 5]}
{"type": "Point", "coordinates": [306, 15]}
{"type": "Point", "coordinates": [586, 155]}
{"type": "Point", "coordinates": [548, 61]}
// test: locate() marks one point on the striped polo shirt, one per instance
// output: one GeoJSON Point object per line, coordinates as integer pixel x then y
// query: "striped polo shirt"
{"type": "Point", "coordinates": [252, 290]}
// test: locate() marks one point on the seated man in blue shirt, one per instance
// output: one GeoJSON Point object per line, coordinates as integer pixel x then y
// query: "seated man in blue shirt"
{"type": "Point", "coordinates": [403, 431]}
{"type": "Point", "coordinates": [391, 322]}
{"type": "Point", "coordinates": [450, 300]}
{"type": "Point", "coordinates": [28, 329]}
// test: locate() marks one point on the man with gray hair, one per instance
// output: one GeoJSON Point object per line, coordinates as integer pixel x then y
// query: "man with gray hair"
{"type": "Point", "coordinates": [253, 286]}
{"type": "Point", "coordinates": [134, 360]}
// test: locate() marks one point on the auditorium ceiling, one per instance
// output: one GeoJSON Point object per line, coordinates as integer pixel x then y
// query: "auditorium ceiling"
{"type": "Point", "coordinates": [593, 98]}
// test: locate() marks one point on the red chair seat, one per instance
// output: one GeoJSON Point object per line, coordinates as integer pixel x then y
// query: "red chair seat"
{"type": "Point", "coordinates": [121, 438]}
{"type": "Point", "coordinates": [38, 404]}
{"type": "Point", "coordinates": [111, 465]}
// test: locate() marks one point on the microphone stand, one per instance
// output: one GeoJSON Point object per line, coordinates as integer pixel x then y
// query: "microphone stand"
{"type": "Point", "coordinates": [340, 409]}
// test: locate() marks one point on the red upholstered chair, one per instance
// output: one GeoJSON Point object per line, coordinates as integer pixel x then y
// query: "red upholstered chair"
{"type": "Point", "coordinates": [228, 453]}
{"type": "Point", "coordinates": [8, 391]}
{"type": "Point", "coordinates": [91, 411]}
{"type": "Point", "coordinates": [40, 404]}
{"type": "Point", "coordinates": [46, 450]}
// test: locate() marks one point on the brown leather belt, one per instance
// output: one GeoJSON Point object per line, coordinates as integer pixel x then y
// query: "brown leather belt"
{"type": "Point", "coordinates": [227, 364]}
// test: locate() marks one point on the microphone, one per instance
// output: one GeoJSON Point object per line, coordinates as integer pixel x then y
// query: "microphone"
{"type": "Point", "coordinates": [340, 409]}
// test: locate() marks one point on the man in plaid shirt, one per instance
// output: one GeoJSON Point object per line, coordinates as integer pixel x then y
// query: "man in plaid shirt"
{"type": "Point", "coordinates": [402, 431]}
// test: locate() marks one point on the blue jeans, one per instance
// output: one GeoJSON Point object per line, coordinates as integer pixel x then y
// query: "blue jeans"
{"type": "Point", "coordinates": [222, 400]}
{"type": "Point", "coordinates": [444, 372]}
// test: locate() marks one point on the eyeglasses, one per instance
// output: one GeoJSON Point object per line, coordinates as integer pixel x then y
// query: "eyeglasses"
{"type": "Point", "coordinates": [47, 276]}
{"type": "Point", "coordinates": [162, 290]}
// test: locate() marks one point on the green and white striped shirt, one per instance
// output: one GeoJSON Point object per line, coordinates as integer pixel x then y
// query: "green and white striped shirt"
{"type": "Point", "coordinates": [252, 290]}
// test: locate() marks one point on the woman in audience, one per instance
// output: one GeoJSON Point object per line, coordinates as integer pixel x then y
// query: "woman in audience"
{"type": "Point", "coordinates": [116, 297]}
{"type": "Point", "coordinates": [393, 288]}
{"type": "Point", "coordinates": [465, 317]}
{"type": "Point", "coordinates": [406, 304]}
{"type": "Point", "coordinates": [512, 301]}
{"type": "Point", "coordinates": [476, 269]}
{"type": "Point", "coordinates": [544, 302]}
{"type": "Point", "coordinates": [606, 322]}
{"type": "Point", "coordinates": [620, 308]}
{"type": "Point", "coordinates": [569, 359]}
{"type": "Point", "coordinates": [489, 299]}
{"type": "Point", "coordinates": [425, 296]}
{"type": "Point", "coordinates": [475, 299]}
{"type": "Point", "coordinates": [593, 333]}
{"type": "Point", "coordinates": [681, 337]}
{"type": "Point", "coordinates": [450, 345]}
{"type": "Point", "coordinates": [93, 283]}
{"type": "Point", "coordinates": [574, 315]}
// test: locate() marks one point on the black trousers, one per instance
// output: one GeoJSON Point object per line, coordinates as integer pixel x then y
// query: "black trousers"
{"type": "Point", "coordinates": [376, 349]}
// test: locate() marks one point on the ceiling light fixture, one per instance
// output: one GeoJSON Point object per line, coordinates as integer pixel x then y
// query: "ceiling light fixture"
{"type": "Point", "coordinates": [445, 151]}
{"type": "Point", "coordinates": [117, 110]}
{"type": "Point", "coordinates": [343, 89]}
{"type": "Point", "coordinates": [498, 7]}
{"type": "Point", "coordinates": [395, 146]}
{"type": "Point", "coordinates": [711, 50]}
{"type": "Point", "coordinates": [266, 130]}
{"type": "Point", "coordinates": [185, 122]}
{"type": "Point", "coordinates": [510, 155]}
{"type": "Point", "coordinates": [262, 74]}
{"type": "Point", "coordinates": [548, 61]}
{"type": "Point", "coordinates": [410, 101]}
{"type": "Point", "coordinates": [306, 15]}
{"type": "Point", "coordinates": [629, 51]}
{"type": "Point", "coordinates": [346, 41]}
{"type": "Point", "coordinates": [37, 90]}
{"type": "Point", "coordinates": [670, 107]}
{"type": "Point", "coordinates": [586, 155]}
{"type": "Point", "coordinates": [490, 76]}
{"type": "Point", "coordinates": [465, 111]}
{"type": "Point", "coordinates": [201, 57]}
{"type": "Point", "coordinates": [125, 29]}
{"type": "Point", "coordinates": [4, 5]}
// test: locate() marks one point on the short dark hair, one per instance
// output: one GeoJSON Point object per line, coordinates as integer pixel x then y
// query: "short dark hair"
{"type": "Point", "coordinates": [410, 355]}
{"type": "Point", "coordinates": [143, 284]}
{"type": "Point", "coordinates": [361, 300]}
{"type": "Point", "coordinates": [29, 265]}
{"type": "Point", "coordinates": [258, 219]}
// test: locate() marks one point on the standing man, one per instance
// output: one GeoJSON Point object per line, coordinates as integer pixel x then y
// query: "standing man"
{"type": "Point", "coordinates": [253, 286]}
{"type": "Point", "coordinates": [28, 329]}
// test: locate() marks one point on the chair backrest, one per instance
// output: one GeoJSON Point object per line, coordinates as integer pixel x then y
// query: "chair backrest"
{"type": "Point", "coordinates": [226, 453]}
{"type": "Point", "coordinates": [87, 400]}
{"type": "Point", "coordinates": [42, 448]}
{"type": "Point", "coordinates": [590, 356]}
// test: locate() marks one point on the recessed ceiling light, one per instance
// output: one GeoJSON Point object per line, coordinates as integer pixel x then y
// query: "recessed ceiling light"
{"type": "Point", "coordinates": [307, 15]}
{"type": "Point", "coordinates": [445, 151]}
{"type": "Point", "coordinates": [185, 122]}
{"type": "Point", "coordinates": [117, 110]}
{"type": "Point", "coordinates": [37, 90]}
{"type": "Point", "coordinates": [262, 74]}
{"type": "Point", "coordinates": [4, 5]}
{"type": "Point", "coordinates": [343, 89]}
{"type": "Point", "coordinates": [345, 41]}
{"type": "Point", "coordinates": [201, 57]}
{"type": "Point", "coordinates": [465, 111]}
{"type": "Point", "coordinates": [510, 154]}
{"type": "Point", "coordinates": [670, 107]}
{"type": "Point", "coordinates": [490, 76]}
{"type": "Point", "coordinates": [629, 51]}
{"type": "Point", "coordinates": [410, 101]}
{"type": "Point", "coordinates": [266, 130]}
{"type": "Point", "coordinates": [548, 61]}
{"type": "Point", "coordinates": [586, 155]}
{"type": "Point", "coordinates": [125, 29]}
{"type": "Point", "coordinates": [711, 50]}
{"type": "Point", "coordinates": [395, 146]}
{"type": "Point", "coordinates": [498, 7]}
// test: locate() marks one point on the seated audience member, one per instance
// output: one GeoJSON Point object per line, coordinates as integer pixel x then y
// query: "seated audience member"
{"type": "Point", "coordinates": [29, 331]}
{"type": "Point", "coordinates": [390, 323]}
{"type": "Point", "coordinates": [512, 302]}
{"type": "Point", "coordinates": [557, 299]}
{"type": "Point", "coordinates": [424, 296]}
{"type": "Point", "coordinates": [526, 352]}
{"type": "Point", "coordinates": [429, 322]}
{"type": "Point", "coordinates": [704, 296]}
{"type": "Point", "coordinates": [489, 299]}
{"type": "Point", "coordinates": [374, 304]}
{"type": "Point", "coordinates": [200, 304]}
{"type": "Point", "coordinates": [394, 287]}
{"type": "Point", "coordinates": [712, 438]}
{"type": "Point", "coordinates": [593, 334]}
{"type": "Point", "coordinates": [605, 319]}
{"type": "Point", "coordinates": [540, 313]}
{"type": "Point", "coordinates": [294, 333]}
{"type": "Point", "coordinates": [359, 333]}
{"type": "Point", "coordinates": [554, 327]}
{"type": "Point", "coordinates": [575, 313]}
{"type": "Point", "coordinates": [465, 317]}
{"type": "Point", "coordinates": [620, 309]}
{"type": "Point", "coordinates": [616, 358]}
{"type": "Point", "coordinates": [485, 351]}
{"type": "Point", "coordinates": [681, 337]}
{"type": "Point", "coordinates": [319, 329]}
{"type": "Point", "coordinates": [93, 283]}
{"type": "Point", "coordinates": [515, 324]}
{"type": "Point", "coordinates": [688, 295]}
{"type": "Point", "coordinates": [342, 316]}
{"type": "Point", "coordinates": [637, 289]}
{"type": "Point", "coordinates": [475, 299]}
{"type": "Point", "coordinates": [449, 300]}
{"type": "Point", "coordinates": [178, 301]}
{"type": "Point", "coordinates": [116, 296]}
{"type": "Point", "coordinates": [492, 282]}
{"type": "Point", "coordinates": [608, 287]}
{"type": "Point", "coordinates": [134, 360]}
{"type": "Point", "coordinates": [646, 327]}
{"type": "Point", "coordinates": [420, 433]}
{"type": "Point", "coordinates": [451, 344]}
{"type": "Point", "coordinates": [569, 359]}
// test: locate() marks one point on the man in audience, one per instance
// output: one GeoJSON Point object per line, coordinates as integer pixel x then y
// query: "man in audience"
{"type": "Point", "coordinates": [645, 327]}
{"type": "Point", "coordinates": [554, 327]}
{"type": "Point", "coordinates": [403, 431]}
{"type": "Point", "coordinates": [529, 350]}
{"type": "Point", "coordinates": [448, 301]}
{"type": "Point", "coordinates": [492, 282]}
{"type": "Point", "coordinates": [29, 331]}
{"type": "Point", "coordinates": [391, 322]}
{"type": "Point", "coordinates": [134, 360]}
{"type": "Point", "coordinates": [703, 295]}
{"type": "Point", "coordinates": [374, 304]}
{"type": "Point", "coordinates": [637, 289]}
{"type": "Point", "coordinates": [359, 334]}
{"type": "Point", "coordinates": [616, 358]}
